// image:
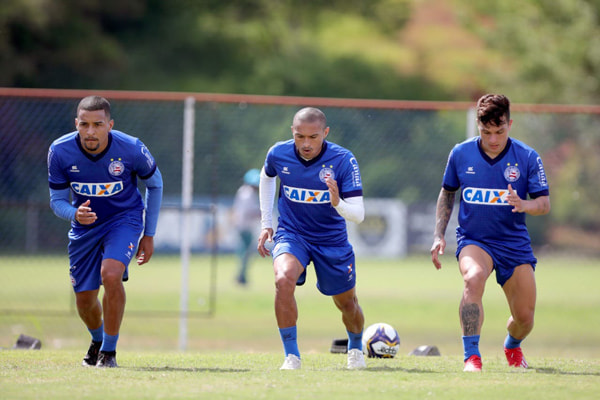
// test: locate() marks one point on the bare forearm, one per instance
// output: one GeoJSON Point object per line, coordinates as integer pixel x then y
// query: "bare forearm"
{"type": "Point", "coordinates": [538, 206]}
{"type": "Point", "coordinates": [445, 204]}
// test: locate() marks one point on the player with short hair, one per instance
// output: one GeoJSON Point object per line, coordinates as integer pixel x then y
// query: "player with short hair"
{"type": "Point", "coordinates": [99, 167]}
{"type": "Point", "coordinates": [495, 174]}
{"type": "Point", "coordinates": [320, 188]}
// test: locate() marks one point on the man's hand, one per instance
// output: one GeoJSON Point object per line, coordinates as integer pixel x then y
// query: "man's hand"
{"type": "Point", "coordinates": [514, 200]}
{"type": "Point", "coordinates": [334, 191]}
{"type": "Point", "coordinates": [265, 235]}
{"type": "Point", "coordinates": [84, 214]}
{"type": "Point", "coordinates": [145, 250]}
{"type": "Point", "coordinates": [439, 245]}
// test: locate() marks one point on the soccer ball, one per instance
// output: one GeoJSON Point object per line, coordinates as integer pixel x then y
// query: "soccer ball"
{"type": "Point", "coordinates": [381, 340]}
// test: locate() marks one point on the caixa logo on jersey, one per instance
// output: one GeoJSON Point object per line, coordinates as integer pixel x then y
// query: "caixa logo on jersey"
{"type": "Point", "coordinates": [97, 189]}
{"type": "Point", "coordinates": [492, 197]}
{"type": "Point", "coordinates": [309, 196]}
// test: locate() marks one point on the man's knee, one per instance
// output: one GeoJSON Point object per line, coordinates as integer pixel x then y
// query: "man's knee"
{"type": "Point", "coordinates": [287, 271]}
{"type": "Point", "coordinates": [112, 272]}
{"type": "Point", "coordinates": [86, 300]}
{"type": "Point", "coordinates": [524, 318]}
{"type": "Point", "coordinates": [474, 284]}
{"type": "Point", "coordinates": [347, 303]}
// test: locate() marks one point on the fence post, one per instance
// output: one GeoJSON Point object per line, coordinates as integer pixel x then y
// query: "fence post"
{"type": "Point", "coordinates": [187, 184]}
{"type": "Point", "coordinates": [471, 122]}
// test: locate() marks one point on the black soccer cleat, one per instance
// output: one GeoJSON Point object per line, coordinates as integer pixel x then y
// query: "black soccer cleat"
{"type": "Point", "coordinates": [107, 359]}
{"type": "Point", "coordinates": [91, 358]}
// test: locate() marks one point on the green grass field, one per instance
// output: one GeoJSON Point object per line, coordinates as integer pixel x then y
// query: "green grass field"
{"type": "Point", "coordinates": [236, 352]}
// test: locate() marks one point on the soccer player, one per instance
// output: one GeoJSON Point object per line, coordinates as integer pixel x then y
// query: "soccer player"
{"type": "Point", "coordinates": [495, 174]}
{"type": "Point", "coordinates": [98, 167]}
{"type": "Point", "coordinates": [320, 188]}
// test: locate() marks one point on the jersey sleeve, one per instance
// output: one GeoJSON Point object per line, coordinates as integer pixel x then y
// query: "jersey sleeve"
{"type": "Point", "coordinates": [57, 180]}
{"type": "Point", "coordinates": [269, 166]}
{"type": "Point", "coordinates": [536, 177]}
{"type": "Point", "coordinates": [450, 182]}
{"type": "Point", "coordinates": [351, 183]}
{"type": "Point", "coordinates": [144, 162]}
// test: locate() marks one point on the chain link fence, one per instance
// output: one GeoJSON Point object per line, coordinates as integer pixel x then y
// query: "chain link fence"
{"type": "Point", "coordinates": [401, 148]}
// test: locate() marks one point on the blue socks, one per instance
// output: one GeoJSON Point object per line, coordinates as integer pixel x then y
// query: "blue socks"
{"type": "Point", "coordinates": [109, 342]}
{"type": "Point", "coordinates": [354, 340]}
{"type": "Point", "coordinates": [97, 333]}
{"type": "Point", "coordinates": [289, 337]}
{"type": "Point", "coordinates": [471, 346]}
{"type": "Point", "coordinates": [512, 343]}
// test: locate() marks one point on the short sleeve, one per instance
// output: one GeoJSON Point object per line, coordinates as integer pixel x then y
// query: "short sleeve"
{"type": "Point", "coordinates": [450, 180]}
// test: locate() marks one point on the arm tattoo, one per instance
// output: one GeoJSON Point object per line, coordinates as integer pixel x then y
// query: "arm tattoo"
{"type": "Point", "coordinates": [470, 319]}
{"type": "Point", "coordinates": [443, 211]}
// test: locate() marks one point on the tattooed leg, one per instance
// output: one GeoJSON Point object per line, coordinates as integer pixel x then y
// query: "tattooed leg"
{"type": "Point", "coordinates": [470, 318]}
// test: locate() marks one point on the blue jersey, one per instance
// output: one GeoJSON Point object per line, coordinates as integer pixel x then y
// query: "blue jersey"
{"type": "Point", "coordinates": [108, 179]}
{"type": "Point", "coordinates": [304, 201]}
{"type": "Point", "coordinates": [484, 213]}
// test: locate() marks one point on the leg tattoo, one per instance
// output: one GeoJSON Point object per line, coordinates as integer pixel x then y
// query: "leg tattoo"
{"type": "Point", "coordinates": [470, 319]}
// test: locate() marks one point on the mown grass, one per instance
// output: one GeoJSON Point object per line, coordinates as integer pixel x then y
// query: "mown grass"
{"type": "Point", "coordinates": [230, 375]}
{"type": "Point", "coordinates": [236, 352]}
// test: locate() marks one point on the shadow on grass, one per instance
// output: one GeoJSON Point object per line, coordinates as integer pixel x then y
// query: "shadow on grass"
{"type": "Point", "coordinates": [400, 369]}
{"type": "Point", "coordinates": [179, 369]}
{"type": "Point", "coordinates": [555, 371]}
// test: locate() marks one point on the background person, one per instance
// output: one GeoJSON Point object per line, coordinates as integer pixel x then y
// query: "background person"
{"type": "Point", "coordinates": [495, 174]}
{"type": "Point", "coordinates": [320, 188]}
{"type": "Point", "coordinates": [99, 167]}
{"type": "Point", "coordinates": [246, 214]}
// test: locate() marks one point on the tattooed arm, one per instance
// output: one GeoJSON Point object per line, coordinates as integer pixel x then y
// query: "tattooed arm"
{"type": "Point", "coordinates": [445, 203]}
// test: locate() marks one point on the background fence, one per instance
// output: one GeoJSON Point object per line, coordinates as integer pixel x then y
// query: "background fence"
{"type": "Point", "coordinates": [401, 147]}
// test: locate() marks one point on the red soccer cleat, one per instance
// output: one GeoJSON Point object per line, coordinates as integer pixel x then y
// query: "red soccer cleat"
{"type": "Point", "coordinates": [473, 364]}
{"type": "Point", "coordinates": [515, 357]}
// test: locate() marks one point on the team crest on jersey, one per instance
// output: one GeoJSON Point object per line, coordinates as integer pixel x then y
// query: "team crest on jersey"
{"type": "Point", "coordinates": [512, 173]}
{"type": "Point", "coordinates": [97, 189]}
{"type": "Point", "coordinates": [116, 167]}
{"type": "Point", "coordinates": [307, 196]}
{"type": "Point", "coordinates": [326, 173]}
{"type": "Point", "coordinates": [488, 197]}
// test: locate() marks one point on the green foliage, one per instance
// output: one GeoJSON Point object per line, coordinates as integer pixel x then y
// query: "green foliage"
{"type": "Point", "coordinates": [242, 46]}
{"type": "Point", "coordinates": [548, 51]}
{"type": "Point", "coordinates": [535, 51]}
{"type": "Point", "coordinates": [578, 185]}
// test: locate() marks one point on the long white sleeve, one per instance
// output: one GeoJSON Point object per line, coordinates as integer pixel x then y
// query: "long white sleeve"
{"type": "Point", "coordinates": [352, 209]}
{"type": "Point", "coordinates": [266, 195]}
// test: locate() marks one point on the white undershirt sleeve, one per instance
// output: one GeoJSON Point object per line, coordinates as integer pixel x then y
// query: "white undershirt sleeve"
{"type": "Point", "coordinates": [266, 195]}
{"type": "Point", "coordinates": [352, 209]}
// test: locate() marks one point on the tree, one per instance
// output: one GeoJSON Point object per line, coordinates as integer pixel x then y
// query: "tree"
{"type": "Point", "coordinates": [550, 50]}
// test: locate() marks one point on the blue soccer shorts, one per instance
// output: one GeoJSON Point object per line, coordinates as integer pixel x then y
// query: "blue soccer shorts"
{"type": "Point", "coordinates": [334, 265]}
{"type": "Point", "coordinates": [504, 262]}
{"type": "Point", "coordinates": [115, 239]}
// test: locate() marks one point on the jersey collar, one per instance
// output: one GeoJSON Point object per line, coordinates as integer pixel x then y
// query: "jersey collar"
{"type": "Point", "coordinates": [312, 160]}
{"type": "Point", "coordinates": [499, 157]}
{"type": "Point", "coordinates": [94, 157]}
